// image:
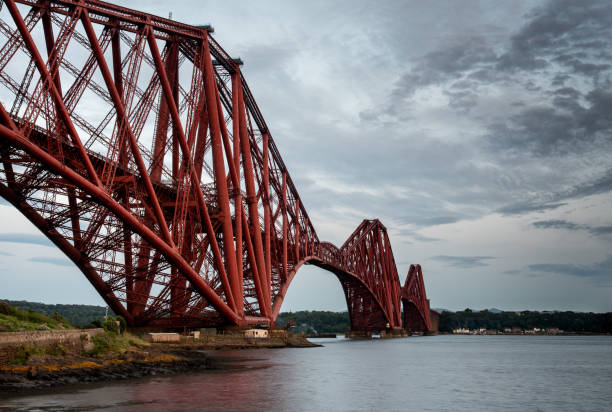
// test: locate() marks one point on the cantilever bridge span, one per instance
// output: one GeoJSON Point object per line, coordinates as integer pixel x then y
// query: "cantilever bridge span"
{"type": "Point", "coordinates": [134, 144]}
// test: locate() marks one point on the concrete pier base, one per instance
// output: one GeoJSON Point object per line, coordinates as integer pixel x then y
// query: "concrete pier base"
{"type": "Point", "coordinates": [397, 333]}
{"type": "Point", "coordinates": [358, 334]}
{"type": "Point", "coordinates": [384, 334]}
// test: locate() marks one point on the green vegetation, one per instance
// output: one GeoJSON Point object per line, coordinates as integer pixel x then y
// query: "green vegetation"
{"type": "Point", "coordinates": [25, 352]}
{"type": "Point", "coordinates": [14, 319]}
{"type": "Point", "coordinates": [110, 324]}
{"type": "Point", "coordinates": [316, 321]}
{"type": "Point", "coordinates": [577, 322]}
{"type": "Point", "coordinates": [114, 338]}
{"type": "Point", "coordinates": [79, 315]}
{"type": "Point", "coordinates": [113, 342]}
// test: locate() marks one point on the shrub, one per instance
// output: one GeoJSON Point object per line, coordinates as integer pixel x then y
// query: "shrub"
{"type": "Point", "coordinates": [94, 324]}
{"type": "Point", "coordinates": [25, 352]}
{"type": "Point", "coordinates": [5, 308]}
{"type": "Point", "coordinates": [110, 324]}
{"type": "Point", "coordinates": [111, 342]}
{"type": "Point", "coordinates": [57, 350]}
{"type": "Point", "coordinates": [59, 318]}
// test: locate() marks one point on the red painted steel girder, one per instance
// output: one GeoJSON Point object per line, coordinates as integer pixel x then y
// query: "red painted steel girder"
{"type": "Point", "coordinates": [134, 143]}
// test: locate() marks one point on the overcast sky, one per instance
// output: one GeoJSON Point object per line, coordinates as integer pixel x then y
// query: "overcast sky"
{"type": "Point", "coordinates": [478, 132]}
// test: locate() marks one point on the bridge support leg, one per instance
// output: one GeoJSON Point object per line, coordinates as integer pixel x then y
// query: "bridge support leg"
{"type": "Point", "coordinates": [393, 333]}
{"type": "Point", "coordinates": [359, 334]}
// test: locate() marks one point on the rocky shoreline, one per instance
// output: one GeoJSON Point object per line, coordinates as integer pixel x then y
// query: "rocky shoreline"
{"type": "Point", "coordinates": [17, 378]}
{"type": "Point", "coordinates": [42, 372]}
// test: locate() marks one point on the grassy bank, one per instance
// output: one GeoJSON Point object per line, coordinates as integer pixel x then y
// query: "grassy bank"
{"type": "Point", "coordinates": [77, 315]}
{"type": "Point", "coordinates": [112, 342]}
{"type": "Point", "coordinates": [13, 319]}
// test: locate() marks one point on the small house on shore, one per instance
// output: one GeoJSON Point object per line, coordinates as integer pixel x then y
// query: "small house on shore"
{"type": "Point", "coordinates": [256, 333]}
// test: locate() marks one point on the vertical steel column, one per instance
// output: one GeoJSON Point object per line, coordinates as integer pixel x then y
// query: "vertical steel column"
{"type": "Point", "coordinates": [285, 226]}
{"type": "Point", "coordinates": [54, 64]}
{"type": "Point", "coordinates": [297, 230]}
{"type": "Point", "coordinates": [236, 85]}
{"type": "Point", "coordinates": [255, 229]}
{"type": "Point", "coordinates": [123, 161]}
{"type": "Point", "coordinates": [163, 120]}
{"type": "Point", "coordinates": [266, 205]}
{"type": "Point", "coordinates": [385, 275]}
{"type": "Point", "coordinates": [200, 147]}
{"type": "Point", "coordinates": [220, 180]}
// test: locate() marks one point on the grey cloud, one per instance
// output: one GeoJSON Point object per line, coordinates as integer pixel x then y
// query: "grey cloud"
{"type": "Point", "coordinates": [556, 28]}
{"type": "Point", "coordinates": [265, 56]}
{"type": "Point", "coordinates": [564, 224]}
{"type": "Point", "coordinates": [602, 184]}
{"type": "Point", "coordinates": [3, 201]}
{"type": "Point", "coordinates": [562, 32]}
{"type": "Point", "coordinates": [511, 272]}
{"type": "Point", "coordinates": [597, 117]}
{"type": "Point", "coordinates": [548, 131]}
{"type": "Point", "coordinates": [598, 270]}
{"type": "Point", "coordinates": [439, 220]}
{"type": "Point", "coordinates": [443, 174]}
{"type": "Point", "coordinates": [449, 63]}
{"type": "Point", "coordinates": [463, 101]}
{"type": "Point", "coordinates": [463, 261]}
{"type": "Point", "coordinates": [588, 68]}
{"type": "Point", "coordinates": [25, 238]}
{"type": "Point", "coordinates": [601, 230]}
{"type": "Point", "coordinates": [556, 224]}
{"type": "Point", "coordinates": [486, 75]}
{"type": "Point", "coordinates": [368, 115]}
{"type": "Point", "coordinates": [415, 236]}
{"type": "Point", "coordinates": [460, 56]}
{"type": "Point", "coordinates": [560, 79]}
{"type": "Point", "coordinates": [421, 238]}
{"type": "Point", "coordinates": [536, 130]}
{"type": "Point", "coordinates": [52, 261]}
{"type": "Point", "coordinates": [6, 253]}
{"type": "Point", "coordinates": [527, 207]}
{"type": "Point", "coordinates": [568, 92]}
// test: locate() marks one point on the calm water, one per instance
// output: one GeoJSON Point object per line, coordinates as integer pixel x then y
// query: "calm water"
{"type": "Point", "coordinates": [440, 373]}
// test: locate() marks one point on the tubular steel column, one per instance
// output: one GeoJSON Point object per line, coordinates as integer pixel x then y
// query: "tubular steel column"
{"type": "Point", "coordinates": [254, 229]}
{"type": "Point", "coordinates": [221, 183]}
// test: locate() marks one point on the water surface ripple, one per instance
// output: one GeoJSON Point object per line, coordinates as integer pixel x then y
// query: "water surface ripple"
{"type": "Point", "coordinates": [438, 373]}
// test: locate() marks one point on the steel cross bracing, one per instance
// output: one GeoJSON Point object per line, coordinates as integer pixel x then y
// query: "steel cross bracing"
{"type": "Point", "coordinates": [135, 145]}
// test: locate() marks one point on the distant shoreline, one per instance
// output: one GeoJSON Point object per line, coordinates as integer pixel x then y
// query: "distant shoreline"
{"type": "Point", "coordinates": [526, 334]}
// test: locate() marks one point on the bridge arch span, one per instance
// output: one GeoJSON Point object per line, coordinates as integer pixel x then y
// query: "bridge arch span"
{"type": "Point", "coordinates": [366, 312]}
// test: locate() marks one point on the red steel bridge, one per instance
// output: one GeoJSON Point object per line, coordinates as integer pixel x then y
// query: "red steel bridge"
{"type": "Point", "coordinates": [134, 144]}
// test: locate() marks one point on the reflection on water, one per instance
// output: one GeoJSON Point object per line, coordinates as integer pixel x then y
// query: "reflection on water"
{"type": "Point", "coordinates": [421, 373]}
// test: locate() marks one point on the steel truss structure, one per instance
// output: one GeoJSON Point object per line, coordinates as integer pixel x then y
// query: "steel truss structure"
{"type": "Point", "coordinates": [134, 144]}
